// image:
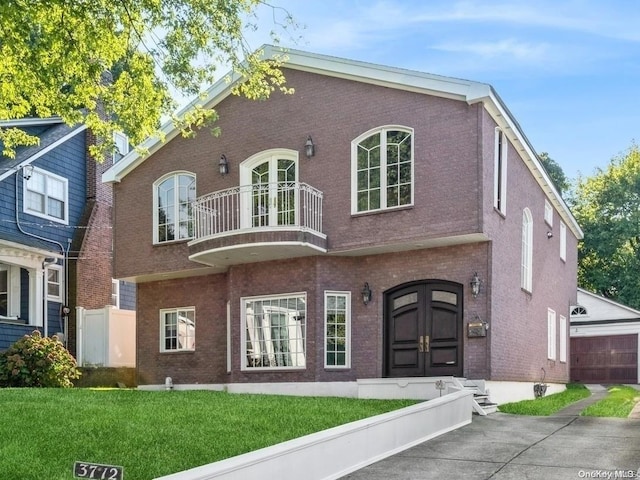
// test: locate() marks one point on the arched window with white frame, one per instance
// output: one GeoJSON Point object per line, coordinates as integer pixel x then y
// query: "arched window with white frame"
{"type": "Point", "coordinates": [382, 169]}
{"type": "Point", "coordinates": [173, 195]}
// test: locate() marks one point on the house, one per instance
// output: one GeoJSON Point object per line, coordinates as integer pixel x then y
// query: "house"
{"type": "Point", "coordinates": [604, 340]}
{"type": "Point", "coordinates": [379, 223]}
{"type": "Point", "coordinates": [55, 234]}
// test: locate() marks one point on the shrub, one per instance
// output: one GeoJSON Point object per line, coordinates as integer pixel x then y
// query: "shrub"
{"type": "Point", "coordinates": [37, 361]}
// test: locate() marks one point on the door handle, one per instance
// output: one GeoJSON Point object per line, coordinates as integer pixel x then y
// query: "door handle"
{"type": "Point", "coordinates": [426, 343]}
{"type": "Point", "coordinates": [421, 344]}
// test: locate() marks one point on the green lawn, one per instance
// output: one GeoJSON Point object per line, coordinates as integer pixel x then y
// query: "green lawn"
{"type": "Point", "coordinates": [618, 403]}
{"type": "Point", "coordinates": [548, 405]}
{"type": "Point", "coordinates": [150, 434]}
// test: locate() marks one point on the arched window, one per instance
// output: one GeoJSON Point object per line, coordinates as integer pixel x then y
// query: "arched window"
{"type": "Point", "coordinates": [527, 250]}
{"type": "Point", "coordinates": [382, 169]}
{"type": "Point", "coordinates": [578, 310]}
{"type": "Point", "coordinates": [173, 216]}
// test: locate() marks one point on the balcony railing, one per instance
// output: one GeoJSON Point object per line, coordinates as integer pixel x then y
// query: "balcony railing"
{"type": "Point", "coordinates": [258, 206]}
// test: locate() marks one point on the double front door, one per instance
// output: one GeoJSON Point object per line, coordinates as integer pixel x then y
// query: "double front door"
{"type": "Point", "coordinates": [423, 330]}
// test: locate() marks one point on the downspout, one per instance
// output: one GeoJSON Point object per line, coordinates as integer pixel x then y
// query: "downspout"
{"type": "Point", "coordinates": [64, 259]}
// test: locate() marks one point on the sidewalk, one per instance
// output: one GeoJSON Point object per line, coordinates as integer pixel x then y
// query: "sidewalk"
{"type": "Point", "coordinates": [598, 392]}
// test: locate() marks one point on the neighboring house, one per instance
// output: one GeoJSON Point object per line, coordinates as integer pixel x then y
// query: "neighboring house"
{"type": "Point", "coordinates": [377, 223]}
{"type": "Point", "coordinates": [604, 340]}
{"type": "Point", "coordinates": [55, 234]}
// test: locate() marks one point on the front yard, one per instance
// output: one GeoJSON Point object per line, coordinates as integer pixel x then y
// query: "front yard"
{"type": "Point", "coordinates": [150, 434]}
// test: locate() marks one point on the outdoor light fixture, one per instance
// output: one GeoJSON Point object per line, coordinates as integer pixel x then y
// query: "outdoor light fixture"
{"type": "Point", "coordinates": [475, 285]}
{"type": "Point", "coordinates": [223, 165]}
{"type": "Point", "coordinates": [309, 148]}
{"type": "Point", "coordinates": [27, 172]}
{"type": "Point", "coordinates": [549, 234]}
{"type": "Point", "coordinates": [366, 293]}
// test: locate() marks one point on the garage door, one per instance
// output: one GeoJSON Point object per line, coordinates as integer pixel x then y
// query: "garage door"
{"type": "Point", "coordinates": [610, 359]}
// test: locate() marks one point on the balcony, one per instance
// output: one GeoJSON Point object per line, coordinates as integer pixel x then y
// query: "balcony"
{"type": "Point", "coordinates": [255, 223]}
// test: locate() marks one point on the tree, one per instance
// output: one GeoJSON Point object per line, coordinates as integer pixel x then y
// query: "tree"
{"type": "Point", "coordinates": [607, 206]}
{"type": "Point", "coordinates": [56, 58]}
{"type": "Point", "coordinates": [555, 172]}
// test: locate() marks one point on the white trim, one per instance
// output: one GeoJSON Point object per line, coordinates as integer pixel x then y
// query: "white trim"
{"type": "Point", "coordinates": [243, 332]}
{"type": "Point", "coordinates": [548, 212]}
{"type": "Point", "coordinates": [257, 244]}
{"type": "Point", "coordinates": [115, 296]}
{"type": "Point", "coordinates": [122, 146]}
{"type": "Point", "coordinates": [47, 174]}
{"type": "Point", "coordinates": [347, 297]}
{"type": "Point", "coordinates": [154, 192]}
{"type": "Point", "coordinates": [229, 345]}
{"type": "Point", "coordinates": [501, 147]}
{"type": "Point", "coordinates": [563, 242]}
{"type": "Point", "coordinates": [29, 122]}
{"type": "Point", "coordinates": [564, 333]}
{"type": "Point", "coordinates": [280, 228]}
{"type": "Point", "coordinates": [60, 283]}
{"type": "Point", "coordinates": [381, 131]}
{"type": "Point", "coordinates": [176, 310]}
{"type": "Point", "coordinates": [526, 274]}
{"type": "Point", "coordinates": [551, 334]}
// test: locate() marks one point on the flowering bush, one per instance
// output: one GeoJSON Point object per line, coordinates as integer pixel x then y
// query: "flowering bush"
{"type": "Point", "coordinates": [37, 361]}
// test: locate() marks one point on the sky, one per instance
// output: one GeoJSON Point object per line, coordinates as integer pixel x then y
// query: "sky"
{"type": "Point", "coordinates": [568, 70]}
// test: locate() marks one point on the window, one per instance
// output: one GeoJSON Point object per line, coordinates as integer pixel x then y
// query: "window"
{"type": "Point", "coordinates": [527, 250]}
{"type": "Point", "coordinates": [4, 291]}
{"type": "Point", "coordinates": [337, 326]}
{"type": "Point", "coordinates": [122, 146]}
{"type": "Point", "coordinates": [274, 332]}
{"type": "Point", "coordinates": [54, 283]}
{"type": "Point", "coordinates": [548, 213]}
{"type": "Point", "coordinates": [563, 339]}
{"type": "Point", "coordinates": [115, 293]}
{"type": "Point", "coordinates": [500, 172]}
{"type": "Point", "coordinates": [563, 242]}
{"type": "Point", "coordinates": [578, 311]}
{"type": "Point", "coordinates": [551, 334]}
{"type": "Point", "coordinates": [382, 169]}
{"type": "Point", "coordinates": [178, 329]}
{"type": "Point", "coordinates": [46, 195]}
{"type": "Point", "coordinates": [173, 216]}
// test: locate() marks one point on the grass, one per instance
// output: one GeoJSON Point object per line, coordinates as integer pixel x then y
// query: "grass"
{"type": "Point", "coordinates": [548, 405]}
{"type": "Point", "coordinates": [618, 403]}
{"type": "Point", "coordinates": [150, 434]}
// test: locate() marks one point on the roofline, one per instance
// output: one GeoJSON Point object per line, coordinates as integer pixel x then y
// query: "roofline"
{"type": "Point", "coordinates": [612, 302]}
{"type": "Point", "coordinates": [45, 150]}
{"type": "Point", "coordinates": [392, 77]}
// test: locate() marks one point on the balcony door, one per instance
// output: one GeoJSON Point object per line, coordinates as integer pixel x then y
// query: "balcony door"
{"type": "Point", "coordinates": [272, 197]}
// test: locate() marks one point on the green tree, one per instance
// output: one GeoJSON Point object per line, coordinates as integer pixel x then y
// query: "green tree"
{"type": "Point", "coordinates": [56, 57]}
{"type": "Point", "coordinates": [555, 172]}
{"type": "Point", "coordinates": [607, 206]}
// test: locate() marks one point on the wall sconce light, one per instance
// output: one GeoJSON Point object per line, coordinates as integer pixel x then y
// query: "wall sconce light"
{"type": "Point", "coordinates": [366, 293]}
{"type": "Point", "coordinates": [309, 148]}
{"type": "Point", "coordinates": [223, 164]}
{"type": "Point", "coordinates": [27, 172]}
{"type": "Point", "coordinates": [475, 285]}
{"type": "Point", "coordinates": [549, 234]}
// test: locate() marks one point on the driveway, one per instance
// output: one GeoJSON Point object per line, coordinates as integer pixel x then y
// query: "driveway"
{"type": "Point", "coordinates": [502, 446]}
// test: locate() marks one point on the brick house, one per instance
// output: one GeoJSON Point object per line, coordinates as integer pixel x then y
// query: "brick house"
{"type": "Point", "coordinates": [378, 223]}
{"type": "Point", "coordinates": [55, 234]}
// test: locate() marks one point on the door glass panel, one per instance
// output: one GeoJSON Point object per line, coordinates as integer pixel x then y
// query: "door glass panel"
{"type": "Point", "coordinates": [407, 299]}
{"type": "Point", "coordinates": [446, 297]}
{"type": "Point", "coordinates": [286, 194]}
{"type": "Point", "coordinates": [260, 195]}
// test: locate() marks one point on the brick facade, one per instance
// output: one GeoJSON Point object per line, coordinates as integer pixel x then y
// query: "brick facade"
{"type": "Point", "coordinates": [450, 232]}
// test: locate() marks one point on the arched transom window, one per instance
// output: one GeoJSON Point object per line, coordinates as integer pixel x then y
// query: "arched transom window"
{"type": "Point", "coordinates": [173, 216]}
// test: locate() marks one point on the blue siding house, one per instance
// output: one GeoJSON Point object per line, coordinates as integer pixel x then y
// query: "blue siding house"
{"type": "Point", "coordinates": [51, 235]}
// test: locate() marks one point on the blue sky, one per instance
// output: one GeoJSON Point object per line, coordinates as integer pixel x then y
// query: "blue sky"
{"type": "Point", "coordinates": [569, 71]}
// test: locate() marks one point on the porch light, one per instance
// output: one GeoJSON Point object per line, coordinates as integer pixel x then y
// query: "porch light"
{"type": "Point", "coordinates": [223, 165]}
{"type": "Point", "coordinates": [475, 285]}
{"type": "Point", "coordinates": [27, 172]}
{"type": "Point", "coordinates": [366, 293]}
{"type": "Point", "coordinates": [309, 148]}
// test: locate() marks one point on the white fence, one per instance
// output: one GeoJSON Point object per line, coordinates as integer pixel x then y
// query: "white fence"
{"type": "Point", "coordinates": [106, 337]}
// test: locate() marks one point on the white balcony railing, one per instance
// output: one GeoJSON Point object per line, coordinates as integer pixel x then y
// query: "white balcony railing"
{"type": "Point", "coordinates": [258, 206]}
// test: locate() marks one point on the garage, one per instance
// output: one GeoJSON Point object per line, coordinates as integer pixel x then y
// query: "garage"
{"type": "Point", "coordinates": [604, 359]}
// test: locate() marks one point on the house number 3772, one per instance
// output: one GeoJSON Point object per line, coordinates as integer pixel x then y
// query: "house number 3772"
{"type": "Point", "coordinates": [96, 471]}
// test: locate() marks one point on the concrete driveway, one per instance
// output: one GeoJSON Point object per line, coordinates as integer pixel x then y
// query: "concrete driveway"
{"type": "Point", "coordinates": [502, 446]}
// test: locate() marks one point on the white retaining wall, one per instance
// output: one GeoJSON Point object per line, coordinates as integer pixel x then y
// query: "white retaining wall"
{"type": "Point", "coordinates": [335, 452]}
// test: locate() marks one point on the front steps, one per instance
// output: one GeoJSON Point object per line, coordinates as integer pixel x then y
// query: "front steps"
{"type": "Point", "coordinates": [482, 404]}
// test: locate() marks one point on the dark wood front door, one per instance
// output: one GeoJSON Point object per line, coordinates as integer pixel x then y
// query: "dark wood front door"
{"type": "Point", "coordinates": [423, 330]}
